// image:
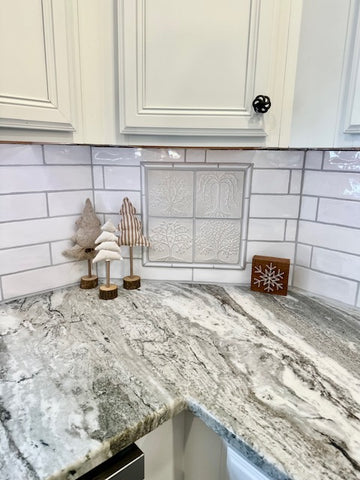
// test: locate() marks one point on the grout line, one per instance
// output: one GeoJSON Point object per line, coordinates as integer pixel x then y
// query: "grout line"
{"type": "Point", "coordinates": [357, 294]}
{"type": "Point", "coordinates": [51, 255]}
{"type": "Point", "coordinates": [299, 209]}
{"type": "Point", "coordinates": [329, 249]}
{"type": "Point", "coordinates": [285, 230]}
{"type": "Point", "coordinates": [311, 256]}
{"type": "Point", "coordinates": [29, 192]}
{"type": "Point", "coordinates": [318, 222]}
{"type": "Point", "coordinates": [323, 161]}
{"type": "Point", "coordinates": [43, 154]}
{"type": "Point", "coordinates": [47, 204]}
{"type": "Point", "coordinates": [317, 210]}
{"type": "Point", "coordinates": [329, 274]}
{"type": "Point", "coordinates": [1, 288]}
{"type": "Point", "coordinates": [290, 180]}
{"type": "Point", "coordinates": [103, 176]}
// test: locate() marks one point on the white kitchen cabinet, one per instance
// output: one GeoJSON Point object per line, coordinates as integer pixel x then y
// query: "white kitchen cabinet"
{"type": "Point", "coordinates": [37, 65]}
{"type": "Point", "coordinates": [194, 67]}
{"type": "Point", "coordinates": [184, 448]}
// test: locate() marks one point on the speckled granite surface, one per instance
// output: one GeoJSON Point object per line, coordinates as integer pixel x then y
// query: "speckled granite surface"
{"type": "Point", "coordinates": [279, 377]}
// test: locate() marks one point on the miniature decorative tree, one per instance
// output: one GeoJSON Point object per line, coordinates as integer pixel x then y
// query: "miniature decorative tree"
{"type": "Point", "coordinates": [131, 236]}
{"type": "Point", "coordinates": [88, 229]}
{"type": "Point", "coordinates": [108, 250]}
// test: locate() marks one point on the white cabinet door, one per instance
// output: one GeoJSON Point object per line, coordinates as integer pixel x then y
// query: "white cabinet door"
{"type": "Point", "coordinates": [194, 67]}
{"type": "Point", "coordinates": [35, 59]}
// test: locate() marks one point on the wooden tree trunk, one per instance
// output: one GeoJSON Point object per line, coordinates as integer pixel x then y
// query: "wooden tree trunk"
{"type": "Point", "coordinates": [131, 282]}
{"type": "Point", "coordinates": [89, 281]}
{"type": "Point", "coordinates": [109, 290]}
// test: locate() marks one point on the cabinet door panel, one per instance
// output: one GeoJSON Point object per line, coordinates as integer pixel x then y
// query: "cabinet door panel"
{"type": "Point", "coordinates": [195, 66]}
{"type": "Point", "coordinates": [35, 83]}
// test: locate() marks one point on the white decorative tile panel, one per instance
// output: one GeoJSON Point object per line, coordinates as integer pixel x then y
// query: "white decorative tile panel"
{"type": "Point", "coordinates": [170, 193]}
{"type": "Point", "coordinates": [219, 194]}
{"type": "Point", "coordinates": [196, 214]}
{"type": "Point", "coordinates": [171, 240]}
{"type": "Point", "coordinates": [217, 241]}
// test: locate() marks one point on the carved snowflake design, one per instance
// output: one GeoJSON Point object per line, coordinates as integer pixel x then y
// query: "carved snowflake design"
{"type": "Point", "coordinates": [270, 278]}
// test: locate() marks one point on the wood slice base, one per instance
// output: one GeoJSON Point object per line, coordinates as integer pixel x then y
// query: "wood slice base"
{"type": "Point", "coordinates": [89, 282]}
{"type": "Point", "coordinates": [108, 293]}
{"type": "Point", "coordinates": [131, 283]}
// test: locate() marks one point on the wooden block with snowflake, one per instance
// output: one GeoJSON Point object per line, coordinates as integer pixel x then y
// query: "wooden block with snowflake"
{"type": "Point", "coordinates": [270, 275]}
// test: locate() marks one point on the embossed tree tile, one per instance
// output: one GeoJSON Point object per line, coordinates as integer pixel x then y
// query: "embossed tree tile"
{"type": "Point", "coordinates": [171, 239]}
{"type": "Point", "coordinates": [219, 194]}
{"type": "Point", "coordinates": [270, 275]}
{"type": "Point", "coordinates": [217, 241]}
{"type": "Point", "coordinates": [170, 193]}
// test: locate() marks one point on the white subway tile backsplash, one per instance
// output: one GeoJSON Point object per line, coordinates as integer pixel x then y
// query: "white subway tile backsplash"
{"type": "Point", "coordinates": [27, 232]}
{"type": "Point", "coordinates": [342, 160]}
{"type": "Point", "coordinates": [116, 156]}
{"type": "Point", "coordinates": [332, 184]}
{"type": "Point", "coordinates": [42, 279]}
{"type": "Point", "coordinates": [337, 263]}
{"type": "Point", "coordinates": [271, 249]}
{"type": "Point", "coordinates": [330, 236]}
{"type": "Point", "coordinates": [13, 154]}
{"type": "Point", "coordinates": [222, 276]}
{"type": "Point", "coordinates": [98, 175]}
{"type": "Point", "coordinates": [122, 178]}
{"type": "Point", "coordinates": [195, 155]}
{"type": "Point", "coordinates": [266, 229]}
{"type": "Point", "coordinates": [295, 182]}
{"type": "Point", "coordinates": [26, 258]}
{"type": "Point", "coordinates": [308, 208]}
{"type": "Point", "coordinates": [260, 158]}
{"type": "Point", "coordinates": [274, 206]}
{"type": "Point", "coordinates": [325, 285]}
{"type": "Point", "coordinates": [163, 273]}
{"type": "Point", "coordinates": [57, 249]}
{"type": "Point", "coordinates": [291, 229]}
{"type": "Point", "coordinates": [22, 206]}
{"type": "Point", "coordinates": [341, 212]}
{"type": "Point", "coordinates": [313, 159]}
{"type": "Point", "coordinates": [270, 181]}
{"type": "Point", "coordinates": [162, 154]}
{"type": "Point", "coordinates": [67, 154]}
{"type": "Point", "coordinates": [33, 179]}
{"type": "Point", "coordinates": [303, 255]}
{"type": "Point", "coordinates": [110, 202]}
{"type": "Point", "coordinates": [68, 203]}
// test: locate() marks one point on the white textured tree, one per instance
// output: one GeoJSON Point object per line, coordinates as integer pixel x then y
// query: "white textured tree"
{"type": "Point", "coordinates": [171, 239]}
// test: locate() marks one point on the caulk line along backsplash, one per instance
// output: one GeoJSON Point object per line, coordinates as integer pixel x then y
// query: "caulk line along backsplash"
{"type": "Point", "coordinates": [43, 190]}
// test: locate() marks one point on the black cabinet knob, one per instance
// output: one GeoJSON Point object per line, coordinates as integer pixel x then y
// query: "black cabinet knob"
{"type": "Point", "coordinates": [261, 104]}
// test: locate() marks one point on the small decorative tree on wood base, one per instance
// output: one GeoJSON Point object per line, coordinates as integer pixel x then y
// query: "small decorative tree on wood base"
{"type": "Point", "coordinates": [88, 229]}
{"type": "Point", "coordinates": [131, 236]}
{"type": "Point", "coordinates": [108, 250]}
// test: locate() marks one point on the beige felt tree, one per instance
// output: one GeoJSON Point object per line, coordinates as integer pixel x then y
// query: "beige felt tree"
{"type": "Point", "coordinates": [88, 229]}
{"type": "Point", "coordinates": [108, 250]}
{"type": "Point", "coordinates": [131, 235]}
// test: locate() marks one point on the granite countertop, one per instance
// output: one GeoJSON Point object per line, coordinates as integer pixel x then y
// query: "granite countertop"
{"type": "Point", "coordinates": [80, 378]}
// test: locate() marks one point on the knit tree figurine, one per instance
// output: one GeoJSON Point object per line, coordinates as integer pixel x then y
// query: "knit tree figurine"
{"type": "Point", "coordinates": [88, 229]}
{"type": "Point", "coordinates": [132, 236]}
{"type": "Point", "coordinates": [108, 250]}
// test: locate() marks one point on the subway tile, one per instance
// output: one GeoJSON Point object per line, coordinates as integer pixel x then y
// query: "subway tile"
{"type": "Point", "coordinates": [271, 249]}
{"type": "Point", "coordinates": [98, 175]}
{"type": "Point", "coordinates": [332, 184]}
{"type": "Point", "coordinates": [330, 236]}
{"type": "Point", "coordinates": [260, 158]}
{"type": "Point", "coordinates": [116, 156]}
{"type": "Point", "coordinates": [291, 228]}
{"type": "Point", "coordinates": [313, 159]}
{"type": "Point", "coordinates": [36, 231]}
{"type": "Point", "coordinates": [270, 181]}
{"type": "Point", "coordinates": [195, 155]}
{"type": "Point", "coordinates": [325, 285]}
{"type": "Point", "coordinates": [67, 154]}
{"type": "Point", "coordinates": [110, 202]}
{"type": "Point", "coordinates": [32, 179]}
{"type": "Point", "coordinates": [122, 178]}
{"type": "Point", "coordinates": [163, 273]}
{"type": "Point", "coordinates": [295, 181]}
{"type": "Point", "coordinates": [266, 229]}
{"type": "Point", "coordinates": [42, 279]}
{"type": "Point", "coordinates": [275, 206]}
{"type": "Point", "coordinates": [308, 208]}
{"type": "Point", "coordinates": [57, 249]}
{"type": "Point", "coordinates": [162, 154]}
{"type": "Point", "coordinates": [68, 203]}
{"type": "Point", "coordinates": [337, 263]}
{"type": "Point", "coordinates": [342, 160]}
{"type": "Point", "coordinates": [17, 259]}
{"type": "Point", "coordinates": [13, 154]}
{"type": "Point", "coordinates": [22, 206]}
{"type": "Point", "coordinates": [341, 212]}
{"type": "Point", "coordinates": [303, 255]}
{"type": "Point", "coordinates": [222, 276]}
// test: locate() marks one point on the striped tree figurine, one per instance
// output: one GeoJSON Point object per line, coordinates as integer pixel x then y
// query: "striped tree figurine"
{"type": "Point", "coordinates": [131, 235]}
